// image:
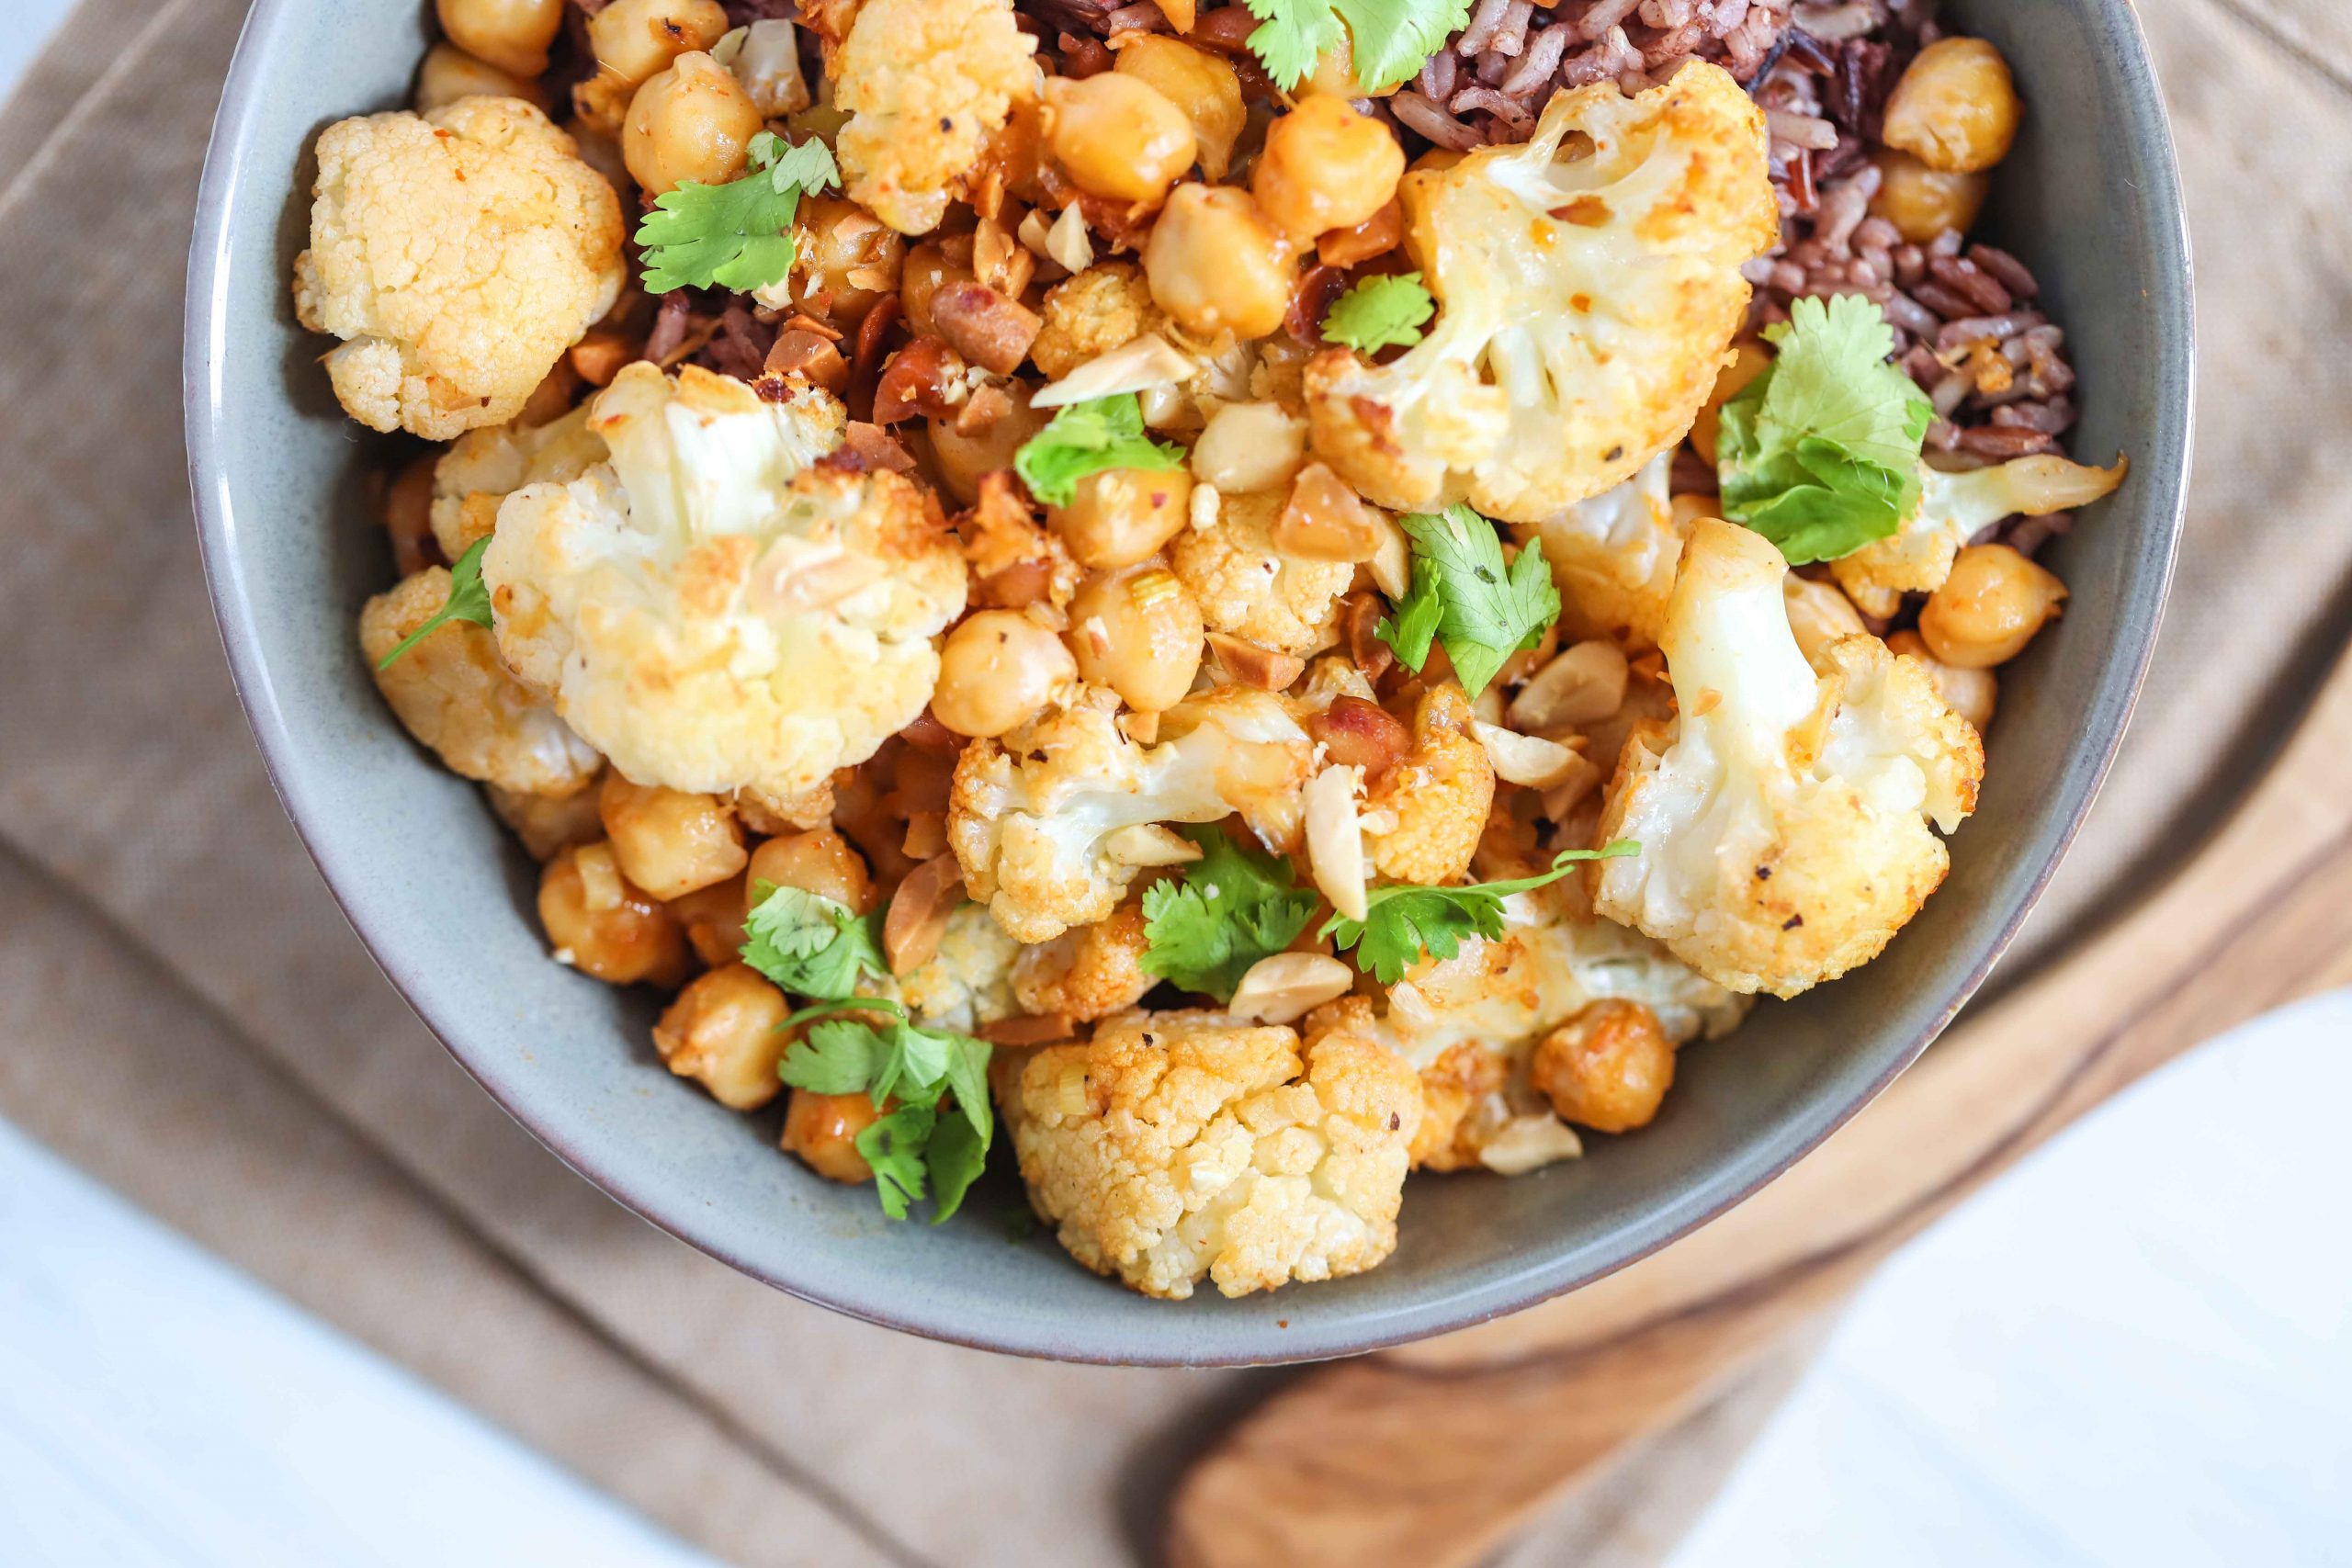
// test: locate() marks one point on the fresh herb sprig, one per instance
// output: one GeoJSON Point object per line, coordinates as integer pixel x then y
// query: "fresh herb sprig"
{"type": "Point", "coordinates": [1464, 596]}
{"type": "Point", "coordinates": [469, 601]}
{"type": "Point", "coordinates": [1086, 439]}
{"type": "Point", "coordinates": [1404, 921]}
{"type": "Point", "coordinates": [920, 1146]}
{"type": "Point", "coordinates": [1387, 40]}
{"type": "Point", "coordinates": [1233, 907]}
{"type": "Point", "coordinates": [737, 235]}
{"type": "Point", "coordinates": [1386, 311]}
{"type": "Point", "coordinates": [809, 946]}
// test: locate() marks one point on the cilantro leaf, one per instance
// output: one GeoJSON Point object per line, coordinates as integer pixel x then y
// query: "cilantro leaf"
{"type": "Point", "coordinates": [906, 1070]}
{"type": "Point", "coordinates": [1486, 610]}
{"type": "Point", "coordinates": [1403, 922]}
{"type": "Point", "coordinates": [469, 601]}
{"type": "Point", "coordinates": [737, 235]}
{"type": "Point", "coordinates": [1086, 439]}
{"type": "Point", "coordinates": [896, 1146]}
{"type": "Point", "coordinates": [1234, 906]}
{"type": "Point", "coordinates": [955, 1155]}
{"type": "Point", "coordinates": [1820, 454]}
{"type": "Point", "coordinates": [810, 946]}
{"type": "Point", "coordinates": [1380, 313]}
{"type": "Point", "coordinates": [1389, 38]}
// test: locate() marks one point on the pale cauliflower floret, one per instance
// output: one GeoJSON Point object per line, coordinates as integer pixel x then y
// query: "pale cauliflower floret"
{"type": "Point", "coordinates": [1179, 1147]}
{"type": "Point", "coordinates": [1036, 819]}
{"type": "Point", "coordinates": [708, 609]}
{"type": "Point", "coordinates": [485, 467]}
{"type": "Point", "coordinates": [1584, 305]}
{"type": "Point", "coordinates": [452, 691]}
{"type": "Point", "coordinates": [967, 983]}
{"type": "Point", "coordinates": [458, 253]}
{"type": "Point", "coordinates": [1470, 1024]}
{"type": "Point", "coordinates": [1783, 818]}
{"type": "Point", "coordinates": [1952, 509]}
{"type": "Point", "coordinates": [1424, 818]}
{"type": "Point", "coordinates": [1089, 973]}
{"type": "Point", "coordinates": [927, 84]}
{"type": "Point", "coordinates": [1248, 588]}
{"type": "Point", "coordinates": [1613, 557]}
{"type": "Point", "coordinates": [1105, 307]}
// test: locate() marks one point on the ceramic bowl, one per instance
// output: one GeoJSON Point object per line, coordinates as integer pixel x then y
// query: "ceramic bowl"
{"type": "Point", "coordinates": [443, 899]}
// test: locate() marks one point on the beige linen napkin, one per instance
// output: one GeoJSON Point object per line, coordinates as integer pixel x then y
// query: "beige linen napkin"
{"type": "Point", "coordinates": [183, 1012]}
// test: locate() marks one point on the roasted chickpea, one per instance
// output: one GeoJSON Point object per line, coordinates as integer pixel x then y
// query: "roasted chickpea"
{"type": "Point", "coordinates": [1922, 203]}
{"type": "Point", "coordinates": [1118, 516]}
{"type": "Point", "coordinates": [1970, 692]}
{"type": "Point", "coordinates": [546, 823]}
{"type": "Point", "coordinates": [693, 121]}
{"type": "Point", "coordinates": [820, 862]}
{"type": "Point", "coordinates": [1819, 613]}
{"type": "Point", "coordinates": [1116, 136]}
{"type": "Point", "coordinates": [962, 461]}
{"type": "Point", "coordinates": [1250, 447]}
{"type": "Point", "coordinates": [600, 925]}
{"type": "Point", "coordinates": [450, 73]}
{"type": "Point", "coordinates": [667, 841]}
{"type": "Point", "coordinates": [844, 259]}
{"type": "Point", "coordinates": [1138, 631]}
{"type": "Point", "coordinates": [822, 1130]}
{"type": "Point", "coordinates": [1750, 359]}
{"type": "Point", "coordinates": [1217, 265]}
{"type": "Point", "coordinates": [1607, 1069]}
{"type": "Point", "coordinates": [1956, 109]}
{"type": "Point", "coordinates": [1989, 608]}
{"type": "Point", "coordinates": [1204, 87]}
{"type": "Point", "coordinates": [997, 670]}
{"type": "Point", "coordinates": [512, 35]}
{"type": "Point", "coordinates": [634, 39]}
{"type": "Point", "coordinates": [712, 918]}
{"type": "Point", "coordinates": [721, 1032]}
{"type": "Point", "coordinates": [926, 271]}
{"type": "Point", "coordinates": [1325, 166]}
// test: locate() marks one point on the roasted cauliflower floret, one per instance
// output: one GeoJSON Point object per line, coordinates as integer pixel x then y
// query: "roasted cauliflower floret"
{"type": "Point", "coordinates": [1585, 304]}
{"type": "Point", "coordinates": [457, 697]}
{"type": "Point", "coordinates": [1423, 817]}
{"type": "Point", "coordinates": [967, 983]}
{"type": "Point", "coordinates": [927, 84]}
{"type": "Point", "coordinates": [1954, 508]}
{"type": "Point", "coordinates": [1783, 818]}
{"type": "Point", "coordinates": [486, 466]}
{"type": "Point", "coordinates": [1613, 557]}
{"type": "Point", "coordinates": [1103, 308]}
{"type": "Point", "coordinates": [1089, 973]}
{"type": "Point", "coordinates": [458, 253]}
{"type": "Point", "coordinates": [1051, 825]}
{"type": "Point", "coordinates": [710, 610]}
{"type": "Point", "coordinates": [1248, 588]}
{"type": "Point", "coordinates": [1179, 1147]}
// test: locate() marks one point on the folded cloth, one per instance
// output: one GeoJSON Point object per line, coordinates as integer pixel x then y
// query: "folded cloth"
{"type": "Point", "coordinates": [143, 829]}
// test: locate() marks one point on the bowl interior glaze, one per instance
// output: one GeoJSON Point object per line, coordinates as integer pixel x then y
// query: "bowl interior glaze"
{"type": "Point", "coordinates": [444, 899]}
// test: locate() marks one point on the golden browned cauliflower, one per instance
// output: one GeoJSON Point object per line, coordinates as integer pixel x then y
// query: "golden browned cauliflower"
{"type": "Point", "coordinates": [1055, 822]}
{"type": "Point", "coordinates": [1954, 508]}
{"type": "Point", "coordinates": [457, 697]}
{"type": "Point", "coordinates": [1089, 973]}
{"type": "Point", "coordinates": [1783, 817]}
{"type": "Point", "coordinates": [457, 254]}
{"type": "Point", "coordinates": [484, 467]}
{"type": "Point", "coordinates": [1090, 313]}
{"type": "Point", "coordinates": [710, 609]}
{"type": "Point", "coordinates": [1179, 1147]}
{"type": "Point", "coordinates": [967, 983]}
{"type": "Point", "coordinates": [1585, 303]}
{"type": "Point", "coordinates": [1613, 557]}
{"type": "Point", "coordinates": [1422, 818]}
{"type": "Point", "coordinates": [927, 84]}
{"type": "Point", "coordinates": [1248, 588]}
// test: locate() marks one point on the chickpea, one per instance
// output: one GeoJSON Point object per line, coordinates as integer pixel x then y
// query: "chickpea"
{"type": "Point", "coordinates": [1326, 166]}
{"type": "Point", "coordinates": [1118, 516]}
{"type": "Point", "coordinates": [1922, 203]}
{"type": "Point", "coordinates": [693, 121]}
{"type": "Point", "coordinates": [822, 1130]}
{"type": "Point", "coordinates": [844, 259]}
{"type": "Point", "coordinates": [632, 40]}
{"type": "Point", "coordinates": [962, 461]}
{"type": "Point", "coordinates": [1138, 631]}
{"type": "Point", "coordinates": [450, 73]}
{"type": "Point", "coordinates": [1750, 359]}
{"type": "Point", "coordinates": [721, 1032]}
{"type": "Point", "coordinates": [1117, 136]}
{"type": "Point", "coordinates": [1819, 613]}
{"type": "Point", "coordinates": [925, 272]}
{"type": "Point", "coordinates": [820, 862]}
{"type": "Point", "coordinates": [997, 670]}
{"type": "Point", "coordinates": [712, 918]}
{"type": "Point", "coordinates": [601, 926]}
{"type": "Point", "coordinates": [1204, 87]}
{"type": "Point", "coordinates": [1250, 447]}
{"type": "Point", "coordinates": [512, 35]}
{"type": "Point", "coordinates": [667, 841]}
{"type": "Point", "coordinates": [1955, 107]}
{"type": "Point", "coordinates": [1607, 1069]}
{"type": "Point", "coordinates": [1970, 692]}
{"type": "Point", "coordinates": [547, 824]}
{"type": "Point", "coordinates": [1217, 265]}
{"type": "Point", "coordinates": [1989, 608]}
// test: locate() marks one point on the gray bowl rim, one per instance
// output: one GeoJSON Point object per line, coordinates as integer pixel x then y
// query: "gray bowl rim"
{"type": "Point", "coordinates": [2171, 303]}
